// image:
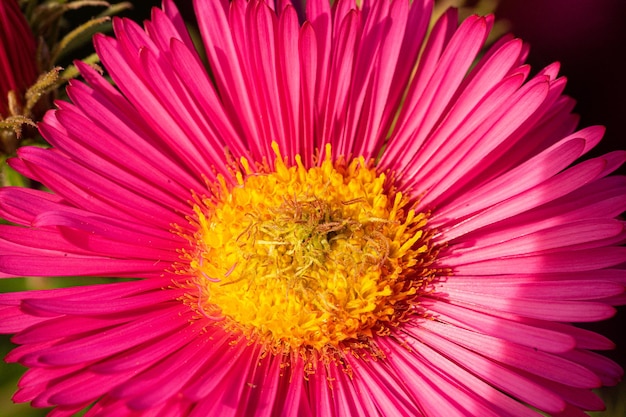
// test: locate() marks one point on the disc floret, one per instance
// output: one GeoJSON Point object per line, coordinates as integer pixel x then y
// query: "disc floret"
{"type": "Point", "coordinates": [312, 258]}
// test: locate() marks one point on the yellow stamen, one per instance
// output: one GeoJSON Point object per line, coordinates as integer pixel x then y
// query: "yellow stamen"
{"type": "Point", "coordinates": [309, 259]}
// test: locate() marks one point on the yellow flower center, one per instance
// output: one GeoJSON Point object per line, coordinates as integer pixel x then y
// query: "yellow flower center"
{"type": "Point", "coordinates": [309, 259]}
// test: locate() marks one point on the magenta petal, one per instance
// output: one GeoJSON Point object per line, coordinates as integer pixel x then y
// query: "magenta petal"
{"type": "Point", "coordinates": [13, 320]}
{"type": "Point", "coordinates": [608, 371]}
{"type": "Point", "coordinates": [552, 160]}
{"type": "Point", "coordinates": [61, 327]}
{"type": "Point", "coordinates": [548, 290]}
{"type": "Point", "coordinates": [162, 381]}
{"type": "Point", "coordinates": [573, 261]}
{"type": "Point", "coordinates": [148, 353]}
{"type": "Point", "coordinates": [68, 410]}
{"type": "Point", "coordinates": [408, 362]}
{"type": "Point", "coordinates": [494, 373]}
{"type": "Point", "coordinates": [214, 373]}
{"type": "Point", "coordinates": [67, 265]}
{"type": "Point", "coordinates": [566, 311]}
{"type": "Point", "coordinates": [82, 388]}
{"type": "Point", "coordinates": [92, 347]}
{"type": "Point", "coordinates": [544, 240]}
{"type": "Point", "coordinates": [60, 306]}
{"type": "Point", "coordinates": [505, 329]}
{"type": "Point", "coordinates": [385, 389]}
{"type": "Point", "coordinates": [531, 360]}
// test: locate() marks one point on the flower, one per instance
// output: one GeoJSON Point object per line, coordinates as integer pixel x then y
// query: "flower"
{"type": "Point", "coordinates": [18, 66]}
{"type": "Point", "coordinates": [342, 217]}
{"type": "Point", "coordinates": [18, 71]}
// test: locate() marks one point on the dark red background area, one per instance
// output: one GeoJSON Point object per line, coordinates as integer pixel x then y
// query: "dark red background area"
{"type": "Point", "coordinates": [588, 38]}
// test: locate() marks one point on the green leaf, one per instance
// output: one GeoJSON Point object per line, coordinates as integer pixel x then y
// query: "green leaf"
{"type": "Point", "coordinates": [78, 37]}
{"type": "Point", "coordinates": [9, 176]}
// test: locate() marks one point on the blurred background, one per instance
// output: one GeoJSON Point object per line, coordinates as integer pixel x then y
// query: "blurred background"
{"type": "Point", "coordinates": [588, 38]}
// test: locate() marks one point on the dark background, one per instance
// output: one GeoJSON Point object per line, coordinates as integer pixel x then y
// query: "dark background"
{"type": "Point", "coordinates": [588, 37]}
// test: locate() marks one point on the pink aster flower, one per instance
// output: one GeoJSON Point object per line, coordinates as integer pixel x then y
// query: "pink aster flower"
{"type": "Point", "coordinates": [18, 67]}
{"type": "Point", "coordinates": [313, 228]}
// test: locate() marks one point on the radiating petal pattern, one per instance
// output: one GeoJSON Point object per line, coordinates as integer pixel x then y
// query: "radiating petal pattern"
{"type": "Point", "coordinates": [480, 239]}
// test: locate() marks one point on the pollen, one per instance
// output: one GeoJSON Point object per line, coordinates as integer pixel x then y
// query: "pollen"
{"type": "Point", "coordinates": [308, 259]}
